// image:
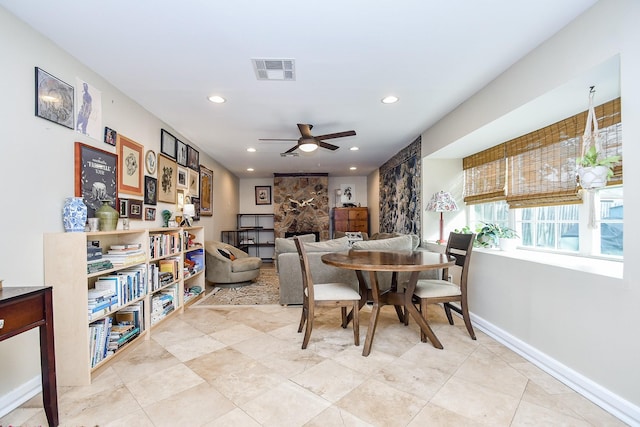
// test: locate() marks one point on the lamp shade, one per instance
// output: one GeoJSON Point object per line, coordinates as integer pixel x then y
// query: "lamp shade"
{"type": "Point", "coordinates": [442, 201]}
{"type": "Point", "coordinates": [189, 209]}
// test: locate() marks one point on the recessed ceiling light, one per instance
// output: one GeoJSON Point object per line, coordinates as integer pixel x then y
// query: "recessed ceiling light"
{"type": "Point", "coordinates": [251, 150]}
{"type": "Point", "coordinates": [217, 99]}
{"type": "Point", "coordinates": [249, 169]}
{"type": "Point", "coordinates": [352, 168]}
{"type": "Point", "coordinates": [354, 148]}
{"type": "Point", "coordinates": [389, 99]}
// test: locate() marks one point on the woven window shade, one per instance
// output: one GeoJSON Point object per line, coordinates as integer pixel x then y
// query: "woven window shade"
{"type": "Point", "coordinates": [485, 175]}
{"type": "Point", "coordinates": [542, 164]}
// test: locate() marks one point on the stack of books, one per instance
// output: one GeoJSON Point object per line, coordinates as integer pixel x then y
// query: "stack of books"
{"type": "Point", "coordinates": [97, 265]}
{"type": "Point", "coordinates": [101, 300]}
{"type": "Point", "coordinates": [98, 340]}
{"type": "Point", "coordinates": [120, 335]}
{"type": "Point", "coordinates": [131, 253]}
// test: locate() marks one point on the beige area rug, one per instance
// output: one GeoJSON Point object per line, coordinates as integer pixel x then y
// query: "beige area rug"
{"type": "Point", "coordinates": [265, 290]}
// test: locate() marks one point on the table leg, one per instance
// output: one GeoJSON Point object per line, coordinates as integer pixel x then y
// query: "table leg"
{"type": "Point", "coordinates": [394, 288]}
{"type": "Point", "coordinates": [421, 321]}
{"type": "Point", "coordinates": [48, 363]}
{"type": "Point", "coordinates": [375, 310]}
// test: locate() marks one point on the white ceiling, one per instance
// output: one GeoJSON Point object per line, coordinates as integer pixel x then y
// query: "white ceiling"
{"type": "Point", "coordinates": [169, 56]}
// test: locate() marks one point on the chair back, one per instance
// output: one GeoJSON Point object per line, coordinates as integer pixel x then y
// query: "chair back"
{"type": "Point", "coordinates": [307, 281]}
{"type": "Point", "coordinates": [460, 246]}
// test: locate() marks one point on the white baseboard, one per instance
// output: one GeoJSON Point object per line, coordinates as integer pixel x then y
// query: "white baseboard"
{"type": "Point", "coordinates": [18, 396]}
{"type": "Point", "coordinates": [609, 401]}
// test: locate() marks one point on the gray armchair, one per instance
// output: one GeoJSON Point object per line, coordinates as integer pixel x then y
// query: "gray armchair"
{"type": "Point", "coordinates": [236, 268]}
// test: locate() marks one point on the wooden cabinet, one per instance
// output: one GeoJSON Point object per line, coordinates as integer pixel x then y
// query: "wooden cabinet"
{"type": "Point", "coordinates": [81, 325]}
{"type": "Point", "coordinates": [350, 219]}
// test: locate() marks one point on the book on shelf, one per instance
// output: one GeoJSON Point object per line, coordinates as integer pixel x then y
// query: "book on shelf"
{"type": "Point", "coordinates": [126, 246]}
{"type": "Point", "coordinates": [170, 265]}
{"type": "Point", "coordinates": [98, 265]}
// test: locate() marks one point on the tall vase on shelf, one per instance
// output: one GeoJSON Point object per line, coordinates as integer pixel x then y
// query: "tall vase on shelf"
{"type": "Point", "coordinates": [74, 214]}
{"type": "Point", "coordinates": [108, 216]}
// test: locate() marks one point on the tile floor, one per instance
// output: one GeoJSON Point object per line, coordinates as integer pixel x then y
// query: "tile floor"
{"type": "Point", "coordinates": [243, 366]}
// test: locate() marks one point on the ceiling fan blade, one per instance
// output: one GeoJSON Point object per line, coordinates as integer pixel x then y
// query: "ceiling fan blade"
{"type": "Point", "coordinates": [276, 139]}
{"type": "Point", "coordinates": [305, 130]}
{"type": "Point", "coordinates": [328, 146]}
{"type": "Point", "coordinates": [292, 149]}
{"type": "Point", "coordinates": [337, 135]}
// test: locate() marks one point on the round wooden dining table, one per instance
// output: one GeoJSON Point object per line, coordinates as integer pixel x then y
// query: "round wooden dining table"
{"type": "Point", "coordinates": [395, 262]}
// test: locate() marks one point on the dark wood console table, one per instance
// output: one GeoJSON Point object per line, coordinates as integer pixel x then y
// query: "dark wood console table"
{"type": "Point", "coordinates": [24, 308]}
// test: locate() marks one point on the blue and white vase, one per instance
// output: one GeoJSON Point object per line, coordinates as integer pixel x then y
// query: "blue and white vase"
{"type": "Point", "coordinates": [74, 214]}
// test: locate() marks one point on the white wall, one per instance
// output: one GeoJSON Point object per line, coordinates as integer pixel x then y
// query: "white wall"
{"type": "Point", "coordinates": [248, 195]}
{"type": "Point", "coordinates": [359, 189]}
{"type": "Point", "coordinates": [586, 323]}
{"type": "Point", "coordinates": [37, 173]}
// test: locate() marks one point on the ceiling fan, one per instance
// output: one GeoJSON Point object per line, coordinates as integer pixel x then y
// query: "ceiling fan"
{"type": "Point", "coordinates": [308, 142]}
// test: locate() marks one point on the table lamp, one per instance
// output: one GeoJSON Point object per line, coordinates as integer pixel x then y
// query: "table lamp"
{"type": "Point", "coordinates": [442, 201]}
{"type": "Point", "coordinates": [188, 212]}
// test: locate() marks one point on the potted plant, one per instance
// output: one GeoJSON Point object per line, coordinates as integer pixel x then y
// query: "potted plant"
{"type": "Point", "coordinates": [593, 170]}
{"type": "Point", "coordinates": [507, 238]}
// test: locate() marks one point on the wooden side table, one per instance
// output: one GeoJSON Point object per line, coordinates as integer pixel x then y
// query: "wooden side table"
{"type": "Point", "coordinates": [22, 309]}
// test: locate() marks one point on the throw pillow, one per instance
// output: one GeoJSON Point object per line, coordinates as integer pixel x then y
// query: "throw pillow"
{"type": "Point", "coordinates": [225, 253]}
{"type": "Point", "coordinates": [402, 243]}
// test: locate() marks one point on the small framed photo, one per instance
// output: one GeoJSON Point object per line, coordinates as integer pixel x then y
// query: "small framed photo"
{"type": "Point", "coordinates": [180, 199]}
{"type": "Point", "coordinates": [194, 183]}
{"type": "Point", "coordinates": [150, 190]}
{"type": "Point", "coordinates": [150, 161]}
{"type": "Point", "coordinates": [110, 136]}
{"type": "Point", "coordinates": [193, 158]}
{"type": "Point", "coordinates": [263, 194]}
{"type": "Point", "coordinates": [135, 209]}
{"type": "Point", "coordinates": [196, 204]}
{"type": "Point", "coordinates": [149, 214]}
{"type": "Point", "coordinates": [54, 99]}
{"type": "Point", "coordinates": [181, 153]}
{"type": "Point", "coordinates": [167, 144]}
{"type": "Point", "coordinates": [183, 177]}
{"type": "Point", "coordinates": [123, 208]}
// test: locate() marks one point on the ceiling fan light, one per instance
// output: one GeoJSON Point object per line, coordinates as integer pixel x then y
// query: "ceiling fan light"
{"type": "Point", "coordinates": [308, 146]}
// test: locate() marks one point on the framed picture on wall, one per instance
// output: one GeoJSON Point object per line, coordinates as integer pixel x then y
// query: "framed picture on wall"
{"type": "Point", "coordinates": [206, 191]}
{"type": "Point", "coordinates": [263, 194]}
{"type": "Point", "coordinates": [181, 153]}
{"type": "Point", "coordinates": [193, 158]}
{"type": "Point", "coordinates": [110, 136]}
{"type": "Point", "coordinates": [150, 190]}
{"type": "Point", "coordinates": [124, 208]}
{"type": "Point", "coordinates": [194, 183]}
{"type": "Point", "coordinates": [149, 214]}
{"type": "Point", "coordinates": [96, 176]}
{"type": "Point", "coordinates": [196, 205]}
{"type": "Point", "coordinates": [167, 144]}
{"type": "Point", "coordinates": [166, 179]}
{"type": "Point", "coordinates": [183, 177]}
{"type": "Point", "coordinates": [54, 99]}
{"type": "Point", "coordinates": [130, 165]}
{"type": "Point", "coordinates": [135, 209]}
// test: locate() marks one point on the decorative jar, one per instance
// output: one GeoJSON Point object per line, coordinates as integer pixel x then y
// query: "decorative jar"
{"type": "Point", "coordinates": [74, 214]}
{"type": "Point", "coordinates": [108, 216]}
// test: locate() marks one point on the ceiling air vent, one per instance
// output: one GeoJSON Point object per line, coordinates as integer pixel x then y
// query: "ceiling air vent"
{"type": "Point", "coordinates": [274, 69]}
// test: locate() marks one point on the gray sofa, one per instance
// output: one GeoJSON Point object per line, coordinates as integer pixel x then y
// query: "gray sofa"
{"type": "Point", "coordinates": [220, 269]}
{"type": "Point", "coordinates": [289, 265]}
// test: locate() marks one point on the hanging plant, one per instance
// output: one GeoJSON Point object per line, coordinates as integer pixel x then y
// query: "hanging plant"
{"type": "Point", "coordinates": [593, 169]}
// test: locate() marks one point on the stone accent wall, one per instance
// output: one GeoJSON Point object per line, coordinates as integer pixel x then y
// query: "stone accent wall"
{"type": "Point", "coordinates": [401, 191]}
{"type": "Point", "coordinates": [301, 204]}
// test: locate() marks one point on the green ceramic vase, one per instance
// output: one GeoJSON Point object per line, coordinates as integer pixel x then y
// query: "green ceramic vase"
{"type": "Point", "coordinates": [108, 216]}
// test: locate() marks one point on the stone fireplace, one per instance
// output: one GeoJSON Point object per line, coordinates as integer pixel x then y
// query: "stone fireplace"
{"type": "Point", "coordinates": [301, 205]}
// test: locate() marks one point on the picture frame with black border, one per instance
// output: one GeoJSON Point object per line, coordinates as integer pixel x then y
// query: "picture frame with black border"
{"type": "Point", "coordinates": [135, 209]}
{"type": "Point", "coordinates": [167, 144]}
{"type": "Point", "coordinates": [193, 158]}
{"type": "Point", "coordinates": [182, 152]}
{"type": "Point", "coordinates": [166, 179]}
{"type": "Point", "coordinates": [149, 214]}
{"type": "Point", "coordinates": [54, 99]}
{"type": "Point", "coordinates": [150, 190]}
{"type": "Point", "coordinates": [196, 203]}
{"type": "Point", "coordinates": [123, 208]}
{"type": "Point", "coordinates": [96, 177]}
{"type": "Point", "coordinates": [263, 194]}
{"type": "Point", "coordinates": [110, 136]}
